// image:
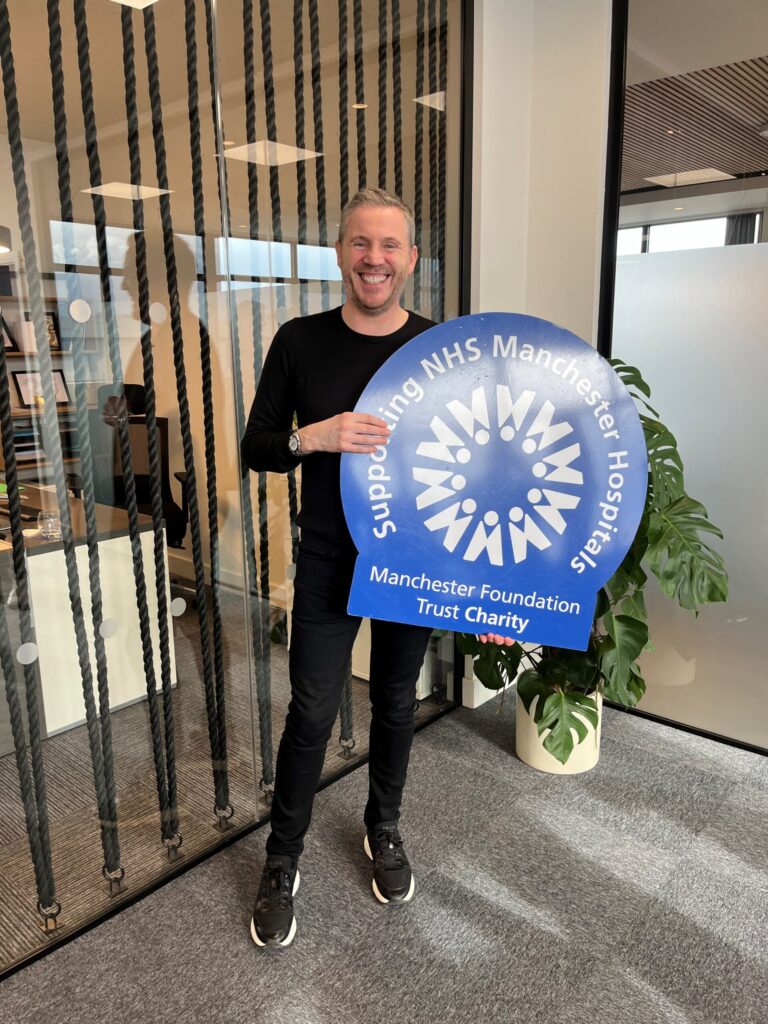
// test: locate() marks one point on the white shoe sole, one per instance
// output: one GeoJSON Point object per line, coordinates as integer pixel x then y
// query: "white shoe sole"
{"type": "Point", "coordinates": [292, 932]}
{"type": "Point", "coordinates": [376, 891]}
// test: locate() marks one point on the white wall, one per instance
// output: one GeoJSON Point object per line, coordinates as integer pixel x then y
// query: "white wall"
{"type": "Point", "coordinates": [541, 116]}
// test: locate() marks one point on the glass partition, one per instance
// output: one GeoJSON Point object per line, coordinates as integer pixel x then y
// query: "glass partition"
{"type": "Point", "coordinates": [690, 313]}
{"type": "Point", "coordinates": [171, 180]}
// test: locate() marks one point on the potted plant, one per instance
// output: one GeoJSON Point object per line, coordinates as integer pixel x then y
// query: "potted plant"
{"type": "Point", "coordinates": [560, 691]}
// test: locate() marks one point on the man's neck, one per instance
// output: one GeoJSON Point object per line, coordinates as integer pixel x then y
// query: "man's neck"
{"type": "Point", "coordinates": [379, 325]}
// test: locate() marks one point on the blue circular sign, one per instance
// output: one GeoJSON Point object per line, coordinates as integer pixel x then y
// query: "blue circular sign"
{"type": "Point", "coordinates": [511, 488]}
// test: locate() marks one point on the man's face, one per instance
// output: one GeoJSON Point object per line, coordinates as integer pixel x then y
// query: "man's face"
{"type": "Point", "coordinates": [375, 258]}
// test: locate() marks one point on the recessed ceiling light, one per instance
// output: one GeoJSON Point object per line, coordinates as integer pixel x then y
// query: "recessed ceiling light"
{"type": "Point", "coordinates": [696, 177]}
{"type": "Point", "coordinates": [670, 131]}
{"type": "Point", "coordinates": [138, 4]}
{"type": "Point", "coordinates": [359, 106]}
{"type": "Point", "coordinates": [269, 153]}
{"type": "Point", "coordinates": [436, 100]}
{"type": "Point", "coordinates": [125, 190]}
{"type": "Point", "coordinates": [679, 208]}
{"type": "Point", "coordinates": [228, 142]}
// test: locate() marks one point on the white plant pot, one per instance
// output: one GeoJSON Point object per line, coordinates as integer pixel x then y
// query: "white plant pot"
{"type": "Point", "coordinates": [530, 746]}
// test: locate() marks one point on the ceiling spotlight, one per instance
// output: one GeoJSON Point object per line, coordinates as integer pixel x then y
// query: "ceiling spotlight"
{"type": "Point", "coordinates": [359, 106]}
{"type": "Point", "coordinates": [679, 208]}
{"type": "Point", "coordinates": [228, 142]}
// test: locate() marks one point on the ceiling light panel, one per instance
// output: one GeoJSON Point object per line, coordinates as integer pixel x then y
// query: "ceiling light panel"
{"type": "Point", "coordinates": [696, 177]}
{"type": "Point", "coordinates": [125, 190]}
{"type": "Point", "coordinates": [270, 154]}
{"type": "Point", "coordinates": [138, 4]}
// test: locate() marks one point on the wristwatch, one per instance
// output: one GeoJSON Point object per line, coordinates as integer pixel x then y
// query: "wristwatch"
{"type": "Point", "coordinates": [294, 444]}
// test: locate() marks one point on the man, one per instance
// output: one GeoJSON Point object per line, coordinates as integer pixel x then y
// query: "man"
{"type": "Point", "coordinates": [315, 371]}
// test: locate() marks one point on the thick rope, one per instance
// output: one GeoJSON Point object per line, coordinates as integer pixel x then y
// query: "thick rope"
{"type": "Point", "coordinates": [397, 98]}
{"type": "Point", "coordinates": [112, 865]}
{"type": "Point", "coordinates": [301, 172]}
{"type": "Point", "coordinates": [419, 150]}
{"type": "Point", "coordinates": [357, 19]}
{"type": "Point", "coordinates": [442, 158]}
{"type": "Point", "coordinates": [259, 602]}
{"type": "Point", "coordinates": [214, 701]}
{"type": "Point", "coordinates": [153, 451]}
{"type": "Point", "coordinates": [115, 358]}
{"type": "Point", "coordinates": [50, 420]}
{"type": "Point", "coordinates": [31, 785]}
{"type": "Point", "coordinates": [319, 140]}
{"type": "Point", "coordinates": [382, 178]}
{"type": "Point", "coordinates": [343, 106]}
{"type": "Point", "coordinates": [434, 187]}
{"type": "Point", "coordinates": [277, 230]}
{"type": "Point", "coordinates": [205, 365]}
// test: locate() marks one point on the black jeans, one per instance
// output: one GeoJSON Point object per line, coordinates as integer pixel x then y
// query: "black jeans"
{"type": "Point", "coordinates": [322, 635]}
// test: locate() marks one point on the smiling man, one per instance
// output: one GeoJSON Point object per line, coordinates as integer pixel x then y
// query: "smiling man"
{"type": "Point", "coordinates": [316, 369]}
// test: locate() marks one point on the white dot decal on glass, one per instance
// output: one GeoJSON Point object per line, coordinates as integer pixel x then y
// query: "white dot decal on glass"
{"type": "Point", "coordinates": [458, 482]}
{"type": "Point", "coordinates": [27, 654]}
{"type": "Point", "coordinates": [108, 628]}
{"type": "Point", "coordinates": [507, 433]}
{"type": "Point", "coordinates": [491, 518]}
{"type": "Point", "coordinates": [516, 514]}
{"type": "Point", "coordinates": [469, 506]}
{"type": "Point", "coordinates": [482, 437]}
{"type": "Point", "coordinates": [178, 606]}
{"type": "Point", "coordinates": [157, 313]}
{"type": "Point", "coordinates": [463, 455]}
{"type": "Point", "coordinates": [540, 469]}
{"type": "Point", "coordinates": [534, 495]}
{"type": "Point", "coordinates": [529, 446]}
{"type": "Point", "coordinates": [80, 311]}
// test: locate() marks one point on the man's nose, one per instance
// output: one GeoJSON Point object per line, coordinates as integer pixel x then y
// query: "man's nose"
{"type": "Point", "coordinates": [375, 253]}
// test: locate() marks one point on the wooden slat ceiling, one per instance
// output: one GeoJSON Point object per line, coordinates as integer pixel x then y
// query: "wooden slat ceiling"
{"type": "Point", "coordinates": [713, 115]}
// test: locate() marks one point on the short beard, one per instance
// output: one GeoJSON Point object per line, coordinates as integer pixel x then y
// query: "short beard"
{"type": "Point", "coordinates": [374, 311]}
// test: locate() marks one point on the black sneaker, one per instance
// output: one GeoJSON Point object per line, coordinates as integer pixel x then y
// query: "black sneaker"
{"type": "Point", "coordinates": [273, 923]}
{"type": "Point", "coordinates": [392, 876]}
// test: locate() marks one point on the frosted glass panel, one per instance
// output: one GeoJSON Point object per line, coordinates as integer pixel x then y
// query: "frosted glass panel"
{"type": "Point", "coordinates": [695, 323]}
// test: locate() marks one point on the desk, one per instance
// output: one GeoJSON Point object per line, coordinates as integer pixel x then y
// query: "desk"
{"type": "Point", "coordinates": [60, 677]}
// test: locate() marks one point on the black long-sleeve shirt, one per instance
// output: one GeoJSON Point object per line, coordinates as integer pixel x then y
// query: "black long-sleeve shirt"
{"type": "Point", "coordinates": [316, 368]}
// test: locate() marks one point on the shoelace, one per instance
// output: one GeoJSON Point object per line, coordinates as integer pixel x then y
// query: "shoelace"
{"type": "Point", "coordinates": [390, 846]}
{"type": "Point", "coordinates": [276, 887]}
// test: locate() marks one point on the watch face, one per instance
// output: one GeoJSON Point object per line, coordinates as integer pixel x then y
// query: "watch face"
{"type": "Point", "coordinates": [293, 444]}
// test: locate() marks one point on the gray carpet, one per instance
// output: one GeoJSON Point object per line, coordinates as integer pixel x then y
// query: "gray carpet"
{"type": "Point", "coordinates": [635, 893]}
{"type": "Point", "coordinates": [75, 841]}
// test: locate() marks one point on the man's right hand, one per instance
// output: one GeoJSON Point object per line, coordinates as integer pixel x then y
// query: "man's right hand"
{"type": "Point", "coordinates": [348, 432]}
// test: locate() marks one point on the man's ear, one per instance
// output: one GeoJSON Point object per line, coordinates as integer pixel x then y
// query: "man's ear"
{"type": "Point", "coordinates": [414, 258]}
{"type": "Point", "coordinates": [338, 253]}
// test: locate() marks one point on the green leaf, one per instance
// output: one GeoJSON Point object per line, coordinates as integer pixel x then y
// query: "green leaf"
{"type": "Point", "coordinates": [530, 685]}
{"type": "Point", "coordinates": [564, 714]}
{"type": "Point", "coordinates": [469, 644]}
{"type": "Point", "coordinates": [497, 665]}
{"type": "Point", "coordinates": [687, 568]}
{"type": "Point", "coordinates": [626, 639]}
{"type": "Point", "coordinates": [632, 378]}
{"type": "Point", "coordinates": [664, 462]}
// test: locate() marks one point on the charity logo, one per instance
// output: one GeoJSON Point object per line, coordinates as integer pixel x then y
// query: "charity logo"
{"type": "Point", "coordinates": [544, 494]}
{"type": "Point", "coordinates": [511, 487]}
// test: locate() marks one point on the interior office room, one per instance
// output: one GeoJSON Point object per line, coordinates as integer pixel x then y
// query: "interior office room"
{"type": "Point", "coordinates": [172, 176]}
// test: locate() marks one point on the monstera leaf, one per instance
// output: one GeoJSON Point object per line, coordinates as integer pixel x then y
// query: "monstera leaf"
{"type": "Point", "coordinates": [687, 568]}
{"type": "Point", "coordinates": [564, 713]}
{"type": "Point", "coordinates": [633, 381]}
{"type": "Point", "coordinates": [664, 462]}
{"type": "Point", "coordinates": [626, 638]}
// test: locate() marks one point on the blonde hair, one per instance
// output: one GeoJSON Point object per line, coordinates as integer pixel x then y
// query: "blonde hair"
{"type": "Point", "coordinates": [377, 197]}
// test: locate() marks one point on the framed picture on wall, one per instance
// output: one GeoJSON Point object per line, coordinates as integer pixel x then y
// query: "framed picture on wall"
{"type": "Point", "coordinates": [30, 388]}
{"type": "Point", "coordinates": [9, 342]}
{"type": "Point", "coordinates": [52, 327]}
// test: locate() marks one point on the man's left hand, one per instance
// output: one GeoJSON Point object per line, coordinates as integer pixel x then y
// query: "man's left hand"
{"type": "Point", "coordinates": [494, 638]}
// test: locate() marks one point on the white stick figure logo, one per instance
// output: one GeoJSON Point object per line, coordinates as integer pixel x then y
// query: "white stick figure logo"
{"type": "Point", "coordinates": [548, 452]}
